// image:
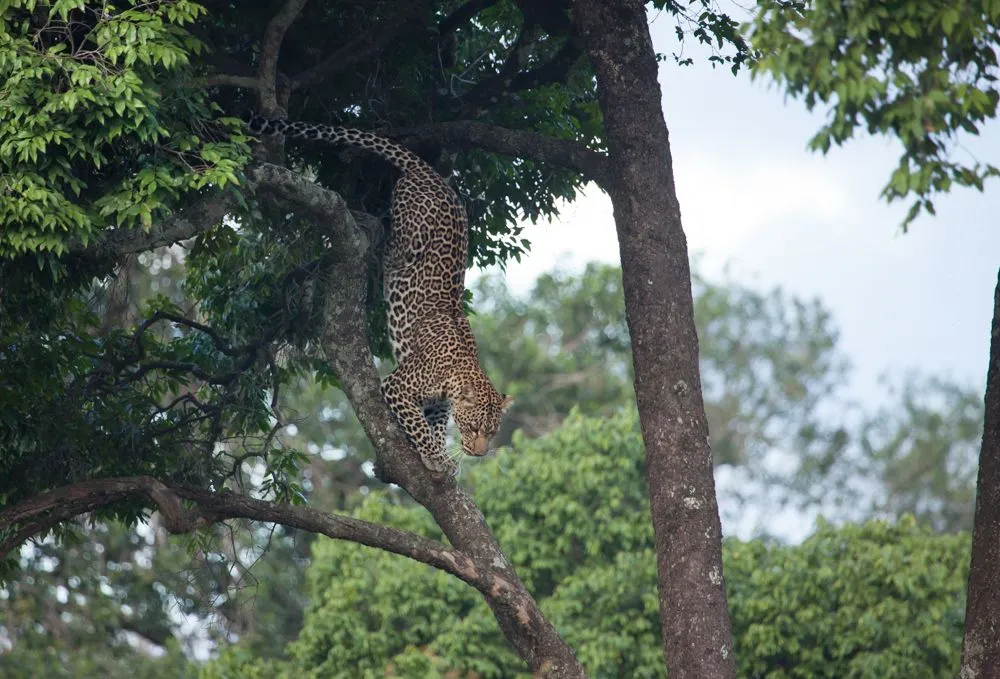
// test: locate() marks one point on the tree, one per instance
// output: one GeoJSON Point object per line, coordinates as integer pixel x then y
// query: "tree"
{"type": "Point", "coordinates": [570, 324]}
{"type": "Point", "coordinates": [251, 584]}
{"type": "Point", "coordinates": [120, 136]}
{"type": "Point", "coordinates": [657, 281]}
{"type": "Point", "coordinates": [981, 649]}
{"type": "Point", "coordinates": [922, 73]}
{"type": "Point", "coordinates": [874, 600]}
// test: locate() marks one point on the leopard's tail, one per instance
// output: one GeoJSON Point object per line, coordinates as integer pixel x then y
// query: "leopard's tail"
{"type": "Point", "coordinates": [399, 156]}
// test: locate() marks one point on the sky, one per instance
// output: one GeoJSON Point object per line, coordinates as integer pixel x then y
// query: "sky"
{"type": "Point", "coordinates": [756, 201]}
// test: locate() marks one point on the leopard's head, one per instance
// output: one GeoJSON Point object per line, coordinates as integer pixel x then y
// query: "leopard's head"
{"type": "Point", "coordinates": [477, 408]}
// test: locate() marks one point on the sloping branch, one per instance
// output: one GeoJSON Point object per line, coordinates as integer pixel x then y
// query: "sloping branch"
{"type": "Point", "coordinates": [207, 213]}
{"type": "Point", "coordinates": [198, 217]}
{"type": "Point", "coordinates": [519, 143]}
{"type": "Point", "coordinates": [207, 507]}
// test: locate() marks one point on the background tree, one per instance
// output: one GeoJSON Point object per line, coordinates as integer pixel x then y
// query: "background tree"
{"type": "Point", "coordinates": [924, 74]}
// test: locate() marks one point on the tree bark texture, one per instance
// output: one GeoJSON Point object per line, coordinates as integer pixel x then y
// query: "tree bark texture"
{"type": "Point", "coordinates": [981, 646]}
{"type": "Point", "coordinates": [659, 308]}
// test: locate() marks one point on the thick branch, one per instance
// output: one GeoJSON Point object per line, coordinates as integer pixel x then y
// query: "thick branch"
{"type": "Point", "coordinates": [70, 501]}
{"type": "Point", "coordinates": [519, 143]}
{"type": "Point", "coordinates": [229, 80]}
{"type": "Point", "coordinates": [198, 217]}
{"type": "Point", "coordinates": [207, 213]}
{"type": "Point", "coordinates": [267, 72]}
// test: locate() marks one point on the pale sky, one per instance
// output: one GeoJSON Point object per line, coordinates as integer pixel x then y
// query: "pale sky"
{"type": "Point", "coordinates": [754, 198]}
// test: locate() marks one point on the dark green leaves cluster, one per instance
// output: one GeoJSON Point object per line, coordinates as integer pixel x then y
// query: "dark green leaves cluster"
{"type": "Point", "coordinates": [922, 72]}
{"type": "Point", "coordinates": [99, 126]}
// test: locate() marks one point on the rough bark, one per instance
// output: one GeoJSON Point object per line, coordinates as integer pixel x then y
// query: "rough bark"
{"type": "Point", "coordinates": [656, 274]}
{"type": "Point", "coordinates": [981, 646]}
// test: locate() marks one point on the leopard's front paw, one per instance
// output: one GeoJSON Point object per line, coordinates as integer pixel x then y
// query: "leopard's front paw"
{"type": "Point", "coordinates": [440, 463]}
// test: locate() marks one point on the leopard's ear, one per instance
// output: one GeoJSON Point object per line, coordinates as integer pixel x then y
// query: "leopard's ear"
{"type": "Point", "coordinates": [507, 402]}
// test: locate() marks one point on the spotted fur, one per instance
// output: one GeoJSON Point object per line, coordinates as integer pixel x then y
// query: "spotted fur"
{"type": "Point", "coordinates": [437, 373]}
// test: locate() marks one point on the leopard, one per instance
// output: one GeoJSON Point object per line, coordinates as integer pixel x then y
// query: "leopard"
{"type": "Point", "coordinates": [438, 374]}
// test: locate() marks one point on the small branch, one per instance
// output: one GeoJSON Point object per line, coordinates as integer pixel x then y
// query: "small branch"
{"type": "Point", "coordinates": [221, 344]}
{"type": "Point", "coordinates": [267, 71]}
{"type": "Point", "coordinates": [503, 84]}
{"type": "Point", "coordinates": [519, 143]}
{"type": "Point", "coordinates": [228, 80]}
{"type": "Point", "coordinates": [555, 70]}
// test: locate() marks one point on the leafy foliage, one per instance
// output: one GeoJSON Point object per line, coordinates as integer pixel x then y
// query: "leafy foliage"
{"type": "Point", "coordinates": [876, 600]}
{"type": "Point", "coordinates": [922, 72]}
{"type": "Point", "coordinates": [99, 128]}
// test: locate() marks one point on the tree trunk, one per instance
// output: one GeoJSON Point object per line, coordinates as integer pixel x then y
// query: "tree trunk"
{"type": "Point", "coordinates": [697, 640]}
{"type": "Point", "coordinates": [981, 647]}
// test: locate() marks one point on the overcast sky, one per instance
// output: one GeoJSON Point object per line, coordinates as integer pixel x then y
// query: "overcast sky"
{"type": "Point", "coordinates": [753, 198]}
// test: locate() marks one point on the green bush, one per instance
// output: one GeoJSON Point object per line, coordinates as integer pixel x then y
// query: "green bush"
{"type": "Point", "coordinates": [875, 600]}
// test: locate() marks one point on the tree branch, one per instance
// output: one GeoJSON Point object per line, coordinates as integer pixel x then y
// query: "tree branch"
{"type": "Point", "coordinates": [208, 212]}
{"type": "Point", "coordinates": [210, 507]}
{"type": "Point", "coordinates": [267, 71]}
{"type": "Point", "coordinates": [198, 217]}
{"type": "Point", "coordinates": [519, 143]}
{"type": "Point", "coordinates": [505, 83]}
{"type": "Point", "coordinates": [229, 80]}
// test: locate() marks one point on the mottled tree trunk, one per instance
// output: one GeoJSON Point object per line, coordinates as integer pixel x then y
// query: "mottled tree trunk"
{"type": "Point", "coordinates": [656, 273]}
{"type": "Point", "coordinates": [981, 648]}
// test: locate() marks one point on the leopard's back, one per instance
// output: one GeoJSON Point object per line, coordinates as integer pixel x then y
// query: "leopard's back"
{"type": "Point", "coordinates": [424, 268]}
{"type": "Point", "coordinates": [424, 271]}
